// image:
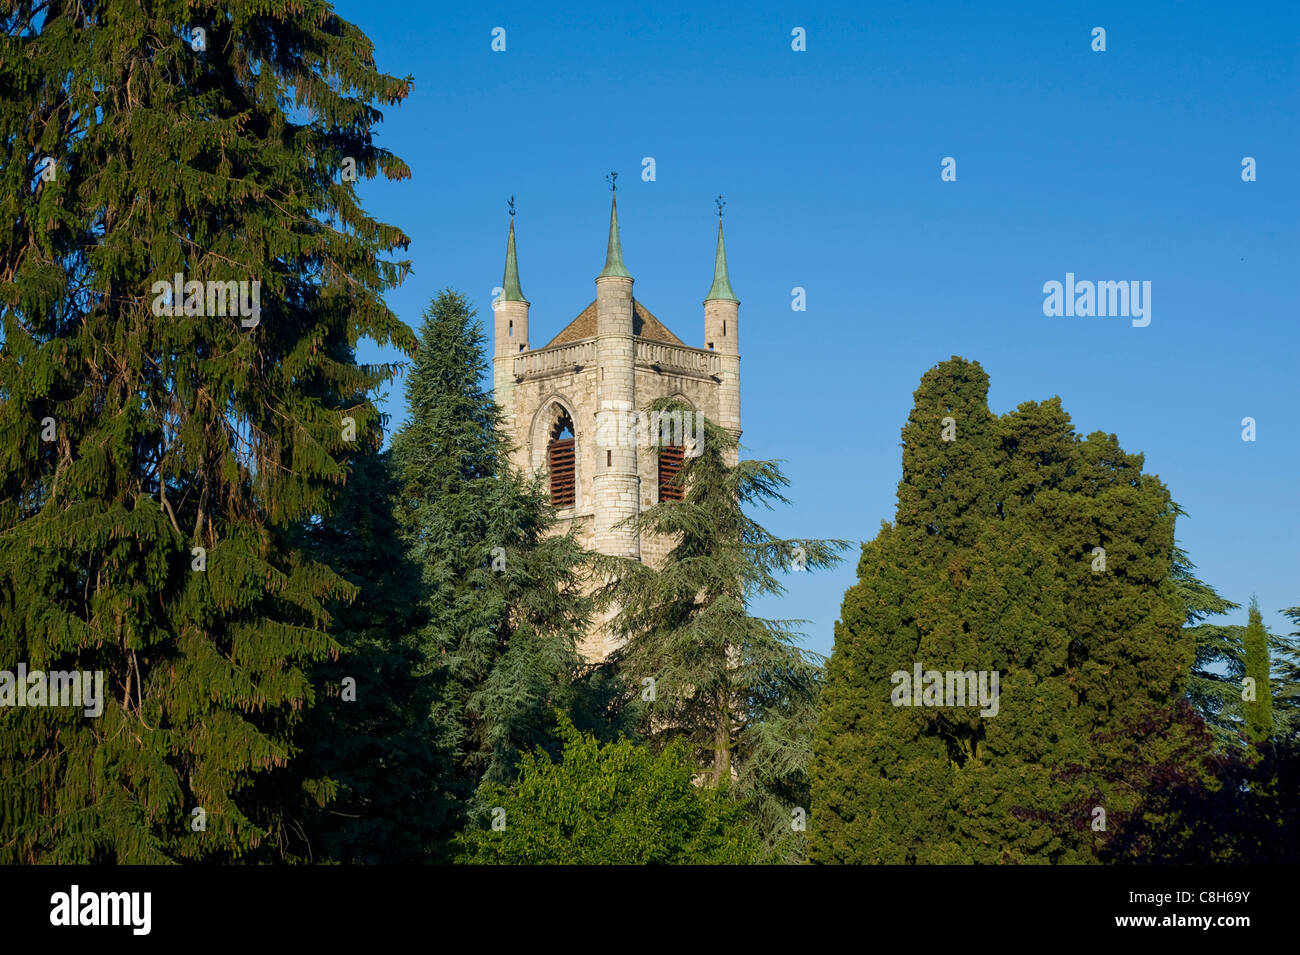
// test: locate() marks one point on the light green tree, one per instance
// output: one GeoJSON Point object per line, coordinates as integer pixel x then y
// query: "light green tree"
{"type": "Point", "coordinates": [618, 803]}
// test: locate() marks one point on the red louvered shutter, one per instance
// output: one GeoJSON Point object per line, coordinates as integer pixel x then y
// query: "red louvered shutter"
{"type": "Point", "coordinates": [560, 464]}
{"type": "Point", "coordinates": [670, 462]}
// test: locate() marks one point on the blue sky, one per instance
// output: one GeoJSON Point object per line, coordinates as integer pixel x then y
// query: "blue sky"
{"type": "Point", "coordinates": [1115, 165]}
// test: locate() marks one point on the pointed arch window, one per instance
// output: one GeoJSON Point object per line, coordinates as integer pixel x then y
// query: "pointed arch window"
{"type": "Point", "coordinates": [561, 462]}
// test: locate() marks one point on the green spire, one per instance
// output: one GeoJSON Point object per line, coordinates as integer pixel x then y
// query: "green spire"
{"type": "Point", "coordinates": [614, 254]}
{"type": "Point", "coordinates": [721, 290]}
{"type": "Point", "coordinates": [511, 282]}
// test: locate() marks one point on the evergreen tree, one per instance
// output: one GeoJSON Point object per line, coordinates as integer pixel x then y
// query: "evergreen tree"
{"type": "Point", "coordinates": [372, 735]}
{"type": "Point", "coordinates": [156, 446]}
{"type": "Point", "coordinates": [1020, 550]}
{"type": "Point", "coordinates": [613, 804]}
{"type": "Point", "coordinates": [504, 604]}
{"type": "Point", "coordinates": [1285, 680]}
{"type": "Point", "coordinates": [1259, 711]}
{"type": "Point", "coordinates": [737, 688]}
{"type": "Point", "coordinates": [1214, 685]}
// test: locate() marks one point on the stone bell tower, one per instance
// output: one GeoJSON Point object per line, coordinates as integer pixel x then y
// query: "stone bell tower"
{"type": "Point", "coordinates": [565, 404]}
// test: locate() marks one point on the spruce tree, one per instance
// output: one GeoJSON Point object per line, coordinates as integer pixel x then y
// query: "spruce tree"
{"type": "Point", "coordinates": [1029, 553]}
{"type": "Point", "coordinates": [503, 600]}
{"type": "Point", "coordinates": [737, 688]}
{"type": "Point", "coordinates": [371, 735]}
{"type": "Point", "coordinates": [156, 447]}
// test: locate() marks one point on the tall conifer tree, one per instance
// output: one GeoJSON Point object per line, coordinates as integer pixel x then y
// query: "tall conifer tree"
{"type": "Point", "coordinates": [1214, 685]}
{"type": "Point", "coordinates": [156, 445]}
{"type": "Point", "coordinates": [1259, 711]}
{"type": "Point", "coordinates": [1022, 550]}
{"type": "Point", "coordinates": [1285, 679]}
{"type": "Point", "coordinates": [737, 688]}
{"type": "Point", "coordinates": [371, 735]}
{"type": "Point", "coordinates": [504, 605]}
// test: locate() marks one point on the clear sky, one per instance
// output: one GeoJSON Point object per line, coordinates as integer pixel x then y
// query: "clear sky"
{"type": "Point", "coordinates": [1116, 165]}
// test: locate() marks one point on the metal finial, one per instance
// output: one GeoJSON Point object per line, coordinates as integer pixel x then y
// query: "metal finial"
{"type": "Point", "coordinates": [511, 203]}
{"type": "Point", "coordinates": [720, 202]}
{"type": "Point", "coordinates": [612, 179]}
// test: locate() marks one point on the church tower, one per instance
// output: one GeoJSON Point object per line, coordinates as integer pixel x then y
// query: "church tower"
{"type": "Point", "coordinates": [570, 406]}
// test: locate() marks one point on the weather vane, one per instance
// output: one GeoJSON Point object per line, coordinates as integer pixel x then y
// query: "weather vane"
{"type": "Point", "coordinates": [612, 179]}
{"type": "Point", "coordinates": [511, 203]}
{"type": "Point", "coordinates": [720, 203]}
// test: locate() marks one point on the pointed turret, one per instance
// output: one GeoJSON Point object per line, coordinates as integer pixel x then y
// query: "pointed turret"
{"type": "Point", "coordinates": [614, 252]}
{"type": "Point", "coordinates": [722, 335]}
{"type": "Point", "coordinates": [509, 329]}
{"type": "Point", "coordinates": [510, 283]}
{"type": "Point", "coordinates": [721, 291]}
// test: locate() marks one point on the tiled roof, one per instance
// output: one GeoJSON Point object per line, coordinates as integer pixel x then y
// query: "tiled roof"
{"type": "Point", "coordinates": [644, 325]}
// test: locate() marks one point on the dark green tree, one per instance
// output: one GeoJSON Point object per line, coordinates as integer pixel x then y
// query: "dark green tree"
{"type": "Point", "coordinates": [1021, 550]}
{"type": "Point", "coordinates": [620, 803]}
{"type": "Point", "coordinates": [1214, 685]}
{"type": "Point", "coordinates": [1286, 679]}
{"type": "Point", "coordinates": [1206, 805]}
{"type": "Point", "coordinates": [1259, 709]}
{"type": "Point", "coordinates": [504, 604]}
{"type": "Point", "coordinates": [737, 688]}
{"type": "Point", "coordinates": [372, 735]}
{"type": "Point", "coordinates": [157, 444]}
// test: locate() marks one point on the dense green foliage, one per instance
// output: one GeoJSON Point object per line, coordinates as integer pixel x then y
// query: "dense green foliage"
{"type": "Point", "coordinates": [371, 733]}
{"type": "Point", "coordinates": [1259, 710]}
{"type": "Point", "coordinates": [736, 687]}
{"type": "Point", "coordinates": [502, 599]}
{"type": "Point", "coordinates": [618, 803]}
{"type": "Point", "coordinates": [317, 651]}
{"type": "Point", "coordinates": [1202, 804]}
{"type": "Point", "coordinates": [990, 566]}
{"type": "Point", "coordinates": [1286, 679]}
{"type": "Point", "coordinates": [1214, 683]}
{"type": "Point", "coordinates": [129, 437]}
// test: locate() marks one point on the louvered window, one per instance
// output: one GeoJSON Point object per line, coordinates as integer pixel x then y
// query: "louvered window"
{"type": "Point", "coordinates": [561, 465]}
{"type": "Point", "coordinates": [670, 462]}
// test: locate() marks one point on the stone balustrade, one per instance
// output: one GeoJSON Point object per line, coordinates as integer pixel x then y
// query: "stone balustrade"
{"type": "Point", "coordinates": [561, 358]}
{"type": "Point", "coordinates": [677, 358]}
